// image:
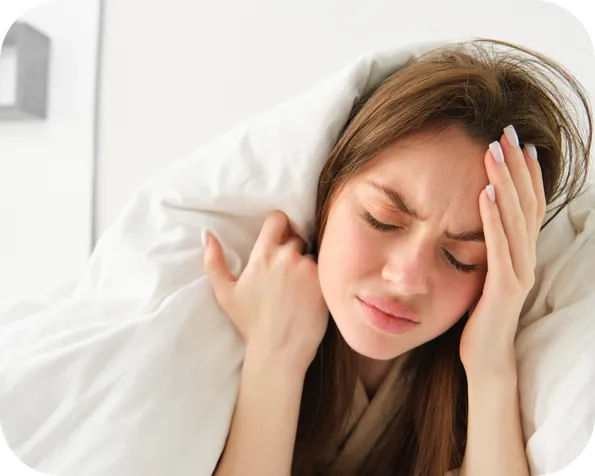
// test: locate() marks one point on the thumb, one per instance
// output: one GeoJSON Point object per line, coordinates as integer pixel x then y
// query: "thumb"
{"type": "Point", "coordinates": [215, 268]}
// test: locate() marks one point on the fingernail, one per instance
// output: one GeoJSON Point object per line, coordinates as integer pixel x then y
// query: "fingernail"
{"type": "Point", "coordinates": [204, 237]}
{"type": "Point", "coordinates": [497, 152]}
{"type": "Point", "coordinates": [532, 151]}
{"type": "Point", "coordinates": [491, 193]}
{"type": "Point", "coordinates": [512, 136]}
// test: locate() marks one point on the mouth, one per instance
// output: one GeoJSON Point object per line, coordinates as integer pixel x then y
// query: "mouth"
{"type": "Point", "coordinates": [385, 322]}
{"type": "Point", "coordinates": [391, 308]}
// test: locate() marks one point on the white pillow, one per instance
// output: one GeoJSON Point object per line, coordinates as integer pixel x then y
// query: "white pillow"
{"type": "Point", "coordinates": [555, 343]}
{"type": "Point", "coordinates": [136, 370]}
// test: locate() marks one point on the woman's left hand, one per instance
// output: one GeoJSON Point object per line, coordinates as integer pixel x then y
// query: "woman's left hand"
{"type": "Point", "coordinates": [511, 227]}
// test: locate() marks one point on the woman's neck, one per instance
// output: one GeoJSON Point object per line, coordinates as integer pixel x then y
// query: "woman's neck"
{"type": "Point", "coordinates": [372, 372]}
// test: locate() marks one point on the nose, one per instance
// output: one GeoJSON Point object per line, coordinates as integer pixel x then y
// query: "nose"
{"type": "Point", "coordinates": [407, 269]}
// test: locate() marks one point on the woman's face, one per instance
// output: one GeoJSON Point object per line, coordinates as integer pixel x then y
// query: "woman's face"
{"type": "Point", "coordinates": [440, 177]}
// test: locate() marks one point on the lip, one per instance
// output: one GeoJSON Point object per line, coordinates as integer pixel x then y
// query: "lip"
{"type": "Point", "coordinates": [386, 322]}
{"type": "Point", "coordinates": [391, 307]}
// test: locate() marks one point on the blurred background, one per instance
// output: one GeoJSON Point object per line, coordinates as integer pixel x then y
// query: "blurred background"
{"type": "Point", "coordinates": [126, 88]}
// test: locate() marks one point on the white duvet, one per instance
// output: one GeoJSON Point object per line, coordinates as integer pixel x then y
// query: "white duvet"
{"type": "Point", "coordinates": [134, 370]}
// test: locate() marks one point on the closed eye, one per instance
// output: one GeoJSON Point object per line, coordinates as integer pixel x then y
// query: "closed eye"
{"type": "Point", "coordinates": [377, 225]}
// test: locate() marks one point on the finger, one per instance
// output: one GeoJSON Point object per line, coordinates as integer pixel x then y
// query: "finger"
{"type": "Point", "coordinates": [273, 233]}
{"type": "Point", "coordinates": [221, 279]}
{"type": "Point", "coordinates": [508, 206]}
{"type": "Point", "coordinates": [296, 243]}
{"type": "Point", "coordinates": [522, 178]}
{"type": "Point", "coordinates": [498, 252]}
{"type": "Point", "coordinates": [535, 171]}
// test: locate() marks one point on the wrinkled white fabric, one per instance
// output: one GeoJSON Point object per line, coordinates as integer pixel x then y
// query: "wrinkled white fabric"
{"type": "Point", "coordinates": [134, 369]}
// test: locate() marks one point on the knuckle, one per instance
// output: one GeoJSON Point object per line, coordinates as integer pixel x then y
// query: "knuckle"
{"type": "Point", "coordinates": [209, 262]}
{"type": "Point", "coordinates": [510, 286]}
{"type": "Point", "coordinates": [520, 223]}
{"type": "Point", "coordinates": [521, 290]}
{"type": "Point", "coordinates": [289, 256]}
{"type": "Point", "coordinates": [277, 217]}
{"type": "Point", "coordinates": [510, 291]}
{"type": "Point", "coordinates": [262, 255]}
{"type": "Point", "coordinates": [259, 255]}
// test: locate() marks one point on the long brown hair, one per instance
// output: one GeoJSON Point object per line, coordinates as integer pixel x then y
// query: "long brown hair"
{"type": "Point", "coordinates": [482, 85]}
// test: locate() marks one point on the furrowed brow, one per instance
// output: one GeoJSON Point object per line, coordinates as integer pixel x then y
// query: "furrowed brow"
{"type": "Point", "coordinates": [399, 201]}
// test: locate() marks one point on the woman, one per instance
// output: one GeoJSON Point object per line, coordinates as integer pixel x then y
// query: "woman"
{"type": "Point", "coordinates": [422, 274]}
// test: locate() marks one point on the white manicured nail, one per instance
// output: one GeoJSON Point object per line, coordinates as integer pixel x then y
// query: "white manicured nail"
{"type": "Point", "coordinates": [203, 237]}
{"type": "Point", "coordinates": [512, 136]}
{"type": "Point", "coordinates": [532, 151]}
{"type": "Point", "coordinates": [497, 151]}
{"type": "Point", "coordinates": [491, 192]}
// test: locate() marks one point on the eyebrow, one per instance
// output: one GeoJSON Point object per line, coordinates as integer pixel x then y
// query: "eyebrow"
{"type": "Point", "coordinates": [399, 201]}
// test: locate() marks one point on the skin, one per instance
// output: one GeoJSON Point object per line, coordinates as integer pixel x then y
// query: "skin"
{"type": "Point", "coordinates": [277, 303]}
{"type": "Point", "coordinates": [441, 176]}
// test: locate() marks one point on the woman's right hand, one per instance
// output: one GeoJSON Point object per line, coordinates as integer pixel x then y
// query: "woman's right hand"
{"type": "Point", "coordinates": [276, 304]}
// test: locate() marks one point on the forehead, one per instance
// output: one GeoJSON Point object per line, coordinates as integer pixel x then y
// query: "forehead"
{"type": "Point", "coordinates": [441, 175]}
{"type": "Point", "coordinates": [447, 162]}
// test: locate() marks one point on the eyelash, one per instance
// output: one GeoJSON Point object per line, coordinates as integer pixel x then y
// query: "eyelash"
{"type": "Point", "coordinates": [462, 268]}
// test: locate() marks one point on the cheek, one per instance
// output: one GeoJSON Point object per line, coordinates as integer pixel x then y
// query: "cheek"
{"type": "Point", "coordinates": [455, 294]}
{"type": "Point", "coordinates": [347, 251]}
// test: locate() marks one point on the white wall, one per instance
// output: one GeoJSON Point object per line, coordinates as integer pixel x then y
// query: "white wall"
{"type": "Point", "coordinates": [46, 166]}
{"type": "Point", "coordinates": [179, 72]}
